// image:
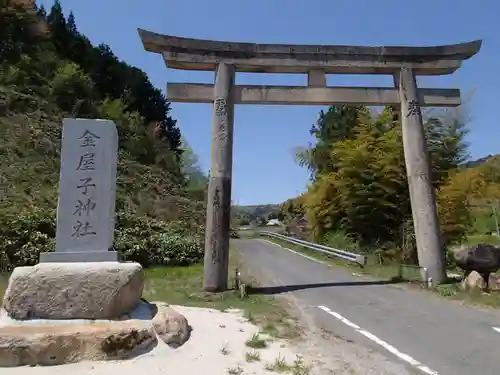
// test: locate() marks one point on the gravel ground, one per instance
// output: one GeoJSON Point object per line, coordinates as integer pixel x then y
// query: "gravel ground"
{"type": "Point", "coordinates": [221, 343]}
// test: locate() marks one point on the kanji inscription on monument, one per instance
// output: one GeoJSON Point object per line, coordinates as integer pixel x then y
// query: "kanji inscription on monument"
{"type": "Point", "coordinates": [220, 107]}
{"type": "Point", "coordinates": [87, 187]}
{"type": "Point", "coordinates": [413, 108]}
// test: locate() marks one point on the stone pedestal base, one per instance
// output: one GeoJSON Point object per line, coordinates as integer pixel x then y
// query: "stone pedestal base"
{"type": "Point", "coordinates": [56, 342]}
{"type": "Point", "coordinates": [94, 290]}
{"type": "Point", "coordinates": [90, 256]}
{"type": "Point", "coordinates": [52, 344]}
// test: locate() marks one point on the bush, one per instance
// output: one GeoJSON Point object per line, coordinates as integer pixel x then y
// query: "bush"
{"type": "Point", "coordinates": [24, 235]}
{"type": "Point", "coordinates": [341, 240]}
{"type": "Point", "coordinates": [153, 242]}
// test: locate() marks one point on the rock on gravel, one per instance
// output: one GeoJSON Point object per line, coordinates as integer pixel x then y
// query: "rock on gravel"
{"type": "Point", "coordinates": [170, 326]}
{"type": "Point", "coordinates": [474, 281]}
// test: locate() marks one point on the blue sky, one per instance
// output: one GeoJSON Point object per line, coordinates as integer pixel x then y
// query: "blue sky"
{"type": "Point", "coordinates": [264, 170]}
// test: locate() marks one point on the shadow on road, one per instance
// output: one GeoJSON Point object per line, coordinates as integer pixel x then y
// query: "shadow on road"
{"type": "Point", "coordinates": [278, 289]}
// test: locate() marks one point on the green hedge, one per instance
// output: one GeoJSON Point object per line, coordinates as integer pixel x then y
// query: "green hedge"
{"type": "Point", "coordinates": [24, 235]}
{"type": "Point", "coordinates": [153, 242]}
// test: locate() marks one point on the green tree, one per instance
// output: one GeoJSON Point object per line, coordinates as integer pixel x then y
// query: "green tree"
{"type": "Point", "coordinates": [332, 126]}
{"type": "Point", "coordinates": [465, 197]}
{"type": "Point", "coordinates": [114, 79]}
{"type": "Point", "coordinates": [21, 30]}
{"type": "Point", "coordinates": [197, 181]}
{"type": "Point", "coordinates": [73, 90]}
{"type": "Point", "coordinates": [363, 192]}
{"type": "Point", "coordinates": [445, 132]}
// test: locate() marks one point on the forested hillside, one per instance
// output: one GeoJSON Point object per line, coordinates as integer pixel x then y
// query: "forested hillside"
{"type": "Point", "coordinates": [359, 186]}
{"type": "Point", "coordinates": [475, 163]}
{"type": "Point", "coordinates": [49, 70]}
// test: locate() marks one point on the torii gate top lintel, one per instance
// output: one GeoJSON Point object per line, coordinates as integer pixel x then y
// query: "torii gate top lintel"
{"type": "Point", "coordinates": [199, 54]}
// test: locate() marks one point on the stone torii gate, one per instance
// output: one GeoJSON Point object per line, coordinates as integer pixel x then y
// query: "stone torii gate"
{"type": "Point", "coordinates": [227, 58]}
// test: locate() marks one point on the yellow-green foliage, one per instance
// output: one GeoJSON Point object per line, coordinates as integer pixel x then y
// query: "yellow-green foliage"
{"type": "Point", "coordinates": [291, 208]}
{"type": "Point", "coordinates": [366, 194]}
{"type": "Point", "coordinates": [465, 195]}
{"type": "Point", "coordinates": [360, 184]}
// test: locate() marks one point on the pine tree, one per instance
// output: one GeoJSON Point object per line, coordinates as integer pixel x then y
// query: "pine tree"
{"type": "Point", "coordinates": [72, 24]}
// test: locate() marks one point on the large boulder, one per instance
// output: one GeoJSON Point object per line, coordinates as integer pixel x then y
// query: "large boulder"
{"type": "Point", "coordinates": [482, 258]}
{"type": "Point", "coordinates": [494, 282]}
{"type": "Point", "coordinates": [94, 290]}
{"type": "Point", "coordinates": [171, 327]}
{"type": "Point", "coordinates": [56, 344]}
{"type": "Point", "coordinates": [474, 281]}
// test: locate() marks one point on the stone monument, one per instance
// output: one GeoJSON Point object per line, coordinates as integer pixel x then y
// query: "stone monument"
{"type": "Point", "coordinates": [228, 58]}
{"type": "Point", "coordinates": [80, 302]}
{"type": "Point", "coordinates": [87, 188]}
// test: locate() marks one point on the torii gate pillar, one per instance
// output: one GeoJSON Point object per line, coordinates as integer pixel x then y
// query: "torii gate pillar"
{"type": "Point", "coordinates": [219, 187]}
{"type": "Point", "coordinates": [418, 170]}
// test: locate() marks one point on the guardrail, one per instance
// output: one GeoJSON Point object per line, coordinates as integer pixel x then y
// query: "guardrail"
{"type": "Point", "coordinates": [342, 254]}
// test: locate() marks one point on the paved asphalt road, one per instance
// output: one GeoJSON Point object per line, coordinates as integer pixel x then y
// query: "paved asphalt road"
{"type": "Point", "coordinates": [426, 332]}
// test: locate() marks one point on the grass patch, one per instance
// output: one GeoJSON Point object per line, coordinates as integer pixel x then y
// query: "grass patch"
{"type": "Point", "coordinates": [474, 297]}
{"type": "Point", "coordinates": [279, 365]}
{"type": "Point", "coordinates": [252, 356]}
{"type": "Point", "coordinates": [4, 280]}
{"type": "Point", "coordinates": [482, 238]}
{"type": "Point", "coordinates": [224, 350]}
{"type": "Point", "coordinates": [235, 370]}
{"type": "Point", "coordinates": [183, 286]}
{"type": "Point", "coordinates": [300, 368]}
{"type": "Point", "coordinates": [256, 342]}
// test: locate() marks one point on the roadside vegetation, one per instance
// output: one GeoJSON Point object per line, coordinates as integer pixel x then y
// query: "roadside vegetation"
{"type": "Point", "coordinates": [182, 286]}
{"type": "Point", "coordinates": [358, 197]}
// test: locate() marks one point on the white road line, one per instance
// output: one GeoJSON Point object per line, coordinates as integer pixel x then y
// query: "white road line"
{"type": "Point", "coordinates": [296, 252]}
{"type": "Point", "coordinates": [496, 329]}
{"type": "Point", "coordinates": [405, 357]}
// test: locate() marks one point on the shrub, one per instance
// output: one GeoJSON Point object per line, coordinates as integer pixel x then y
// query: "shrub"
{"type": "Point", "coordinates": [24, 235]}
{"type": "Point", "coordinates": [153, 242]}
{"type": "Point", "coordinates": [341, 240]}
